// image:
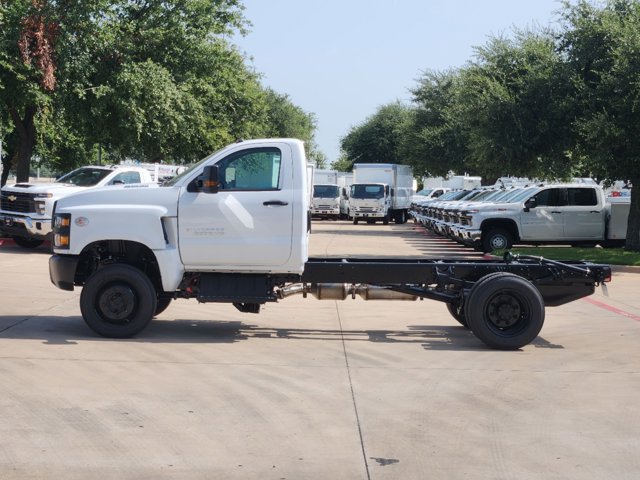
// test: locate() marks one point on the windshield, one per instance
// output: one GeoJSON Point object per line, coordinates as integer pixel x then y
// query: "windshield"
{"type": "Point", "coordinates": [519, 195]}
{"type": "Point", "coordinates": [84, 177]}
{"type": "Point", "coordinates": [424, 192]}
{"type": "Point", "coordinates": [325, 191]}
{"type": "Point", "coordinates": [367, 191]}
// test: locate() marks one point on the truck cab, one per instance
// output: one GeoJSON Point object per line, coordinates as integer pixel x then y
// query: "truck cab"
{"type": "Point", "coordinates": [370, 202]}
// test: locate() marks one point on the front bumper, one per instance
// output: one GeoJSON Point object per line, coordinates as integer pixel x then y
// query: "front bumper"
{"type": "Point", "coordinates": [62, 270]}
{"type": "Point", "coordinates": [469, 236]}
{"type": "Point", "coordinates": [24, 226]}
{"type": "Point", "coordinates": [318, 212]}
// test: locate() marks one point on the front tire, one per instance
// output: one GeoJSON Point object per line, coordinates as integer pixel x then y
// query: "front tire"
{"type": "Point", "coordinates": [162, 304]}
{"type": "Point", "coordinates": [505, 311]}
{"type": "Point", "coordinates": [118, 301]}
{"type": "Point", "coordinates": [496, 239]}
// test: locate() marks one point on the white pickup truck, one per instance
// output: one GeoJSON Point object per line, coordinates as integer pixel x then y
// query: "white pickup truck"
{"type": "Point", "coordinates": [234, 228]}
{"type": "Point", "coordinates": [576, 214]}
{"type": "Point", "coordinates": [26, 208]}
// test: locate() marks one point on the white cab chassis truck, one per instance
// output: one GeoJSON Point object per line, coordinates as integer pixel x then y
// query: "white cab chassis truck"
{"type": "Point", "coordinates": [381, 191]}
{"type": "Point", "coordinates": [26, 208]}
{"type": "Point", "coordinates": [234, 229]}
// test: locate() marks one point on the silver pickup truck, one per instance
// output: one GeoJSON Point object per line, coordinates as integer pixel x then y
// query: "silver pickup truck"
{"type": "Point", "coordinates": [574, 214]}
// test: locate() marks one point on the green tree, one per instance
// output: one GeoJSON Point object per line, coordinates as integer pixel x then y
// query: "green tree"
{"type": "Point", "coordinates": [602, 47]}
{"type": "Point", "coordinates": [378, 138]}
{"type": "Point", "coordinates": [517, 105]}
{"type": "Point", "coordinates": [146, 79]}
{"type": "Point", "coordinates": [435, 139]}
{"type": "Point", "coordinates": [284, 119]}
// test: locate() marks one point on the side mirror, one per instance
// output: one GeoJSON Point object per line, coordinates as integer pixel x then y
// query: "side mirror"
{"type": "Point", "coordinates": [210, 182]}
{"type": "Point", "coordinates": [529, 204]}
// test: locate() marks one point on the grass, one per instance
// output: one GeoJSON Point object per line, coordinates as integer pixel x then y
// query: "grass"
{"type": "Point", "coordinates": [609, 256]}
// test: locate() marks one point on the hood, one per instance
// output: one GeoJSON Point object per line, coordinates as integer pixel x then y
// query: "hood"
{"type": "Point", "coordinates": [133, 194]}
{"type": "Point", "coordinates": [53, 187]}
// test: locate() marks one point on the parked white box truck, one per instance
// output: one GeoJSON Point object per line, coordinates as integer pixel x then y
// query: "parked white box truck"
{"type": "Point", "coordinates": [326, 195]}
{"type": "Point", "coordinates": [381, 191]}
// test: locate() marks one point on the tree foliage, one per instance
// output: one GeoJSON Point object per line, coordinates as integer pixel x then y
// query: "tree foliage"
{"type": "Point", "coordinates": [143, 79]}
{"type": "Point", "coordinates": [378, 138]}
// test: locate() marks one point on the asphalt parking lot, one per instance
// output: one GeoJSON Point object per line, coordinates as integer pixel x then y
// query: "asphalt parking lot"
{"type": "Point", "coordinates": [314, 389]}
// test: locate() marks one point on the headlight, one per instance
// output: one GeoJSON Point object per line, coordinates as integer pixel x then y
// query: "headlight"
{"type": "Point", "coordinates": [61, 230]}
{"type": "Point", "coordinates": [43, 195]}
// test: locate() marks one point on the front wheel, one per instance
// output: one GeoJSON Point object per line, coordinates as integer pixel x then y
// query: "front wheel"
{"type": "Point", "coordinates": [27, 242]}
{"type": "Point", "coordinates": [355, 220]}
{"type": "Point", "coordinates": [496, 239]}
{"type": "Point", "coordinates": [118, 301]}
{"type": "Point", "coordinates": [505, 311]}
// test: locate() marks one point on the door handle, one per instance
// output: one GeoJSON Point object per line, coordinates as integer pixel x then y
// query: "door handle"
{"type": "Point", "coordinates": [594, 211]}
{"type": "Point", "coordinates": [555, 211]}
{"type": "Point", "coordinates": [275, 203]}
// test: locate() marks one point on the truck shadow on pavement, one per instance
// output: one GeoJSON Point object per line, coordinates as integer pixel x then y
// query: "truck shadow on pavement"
{"type": "Point", "coordinates": [55, 330]}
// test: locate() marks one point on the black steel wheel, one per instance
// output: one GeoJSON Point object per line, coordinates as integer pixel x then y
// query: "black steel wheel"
{"type": "Point", "coordinates": [496, 239]}
{"type": "Point", "coordinates": [27, 242]}
{"type": "Point", "coordinates": [118, 301]}
{"type": "Point", "coordinates": [385, 219]}
{"type": "Point", "coordinates": [505, 311]}
{"type": "Point", "coordinates": [457, 311]}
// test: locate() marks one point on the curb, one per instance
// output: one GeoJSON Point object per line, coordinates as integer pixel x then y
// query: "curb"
{"type": "Point", "coordinates": [625, 269]}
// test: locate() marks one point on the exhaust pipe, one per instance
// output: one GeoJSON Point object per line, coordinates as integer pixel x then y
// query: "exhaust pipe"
{"type": "Point", "coordinates": [340, 291]}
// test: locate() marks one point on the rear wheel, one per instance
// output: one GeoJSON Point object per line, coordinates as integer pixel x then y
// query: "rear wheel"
{"type": "Point", "coordinates": [118, 301]}
{"type": "Point", "coordinates": [26, 242]}
{"type": "Point", "coordinates": [457, 311]}
{"type": "Point", "coordinates": [355, 221]}
{"type": "Point", "coordinates": [400, 217]}
{"type": "Point", "coordinates": [505, 311]}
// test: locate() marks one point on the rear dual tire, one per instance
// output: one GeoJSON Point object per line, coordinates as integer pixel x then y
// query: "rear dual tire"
{"type": "Point", "coordinates": [504, 311]}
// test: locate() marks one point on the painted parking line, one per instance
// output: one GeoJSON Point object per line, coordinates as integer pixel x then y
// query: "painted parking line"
{"type": "Point", "coordinates": [615, 310]}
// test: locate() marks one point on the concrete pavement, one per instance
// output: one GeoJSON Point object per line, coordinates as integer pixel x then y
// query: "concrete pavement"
{"type": "Point", "coordinates": [314, 389]}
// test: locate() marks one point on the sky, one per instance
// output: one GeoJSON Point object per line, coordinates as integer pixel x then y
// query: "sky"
{"type": "Point", "coordinates": [342, 59]}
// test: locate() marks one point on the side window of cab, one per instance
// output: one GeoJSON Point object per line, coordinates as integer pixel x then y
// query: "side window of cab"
{"type": "Point", "coordinates": [125, 178]}
{"type": "Point", "coordinates": [253, 169]}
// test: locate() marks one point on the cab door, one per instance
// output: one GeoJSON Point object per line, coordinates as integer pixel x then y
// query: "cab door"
{"type": "Point", "coordinates": [545, 221]}
{"type": "Point", "coordinates": [249, 222]}
{"type": "Point", "coordinates": [585, 215]}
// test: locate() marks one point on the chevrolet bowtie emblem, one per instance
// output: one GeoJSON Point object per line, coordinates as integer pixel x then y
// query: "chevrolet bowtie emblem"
{"type": "Point", "coordinates": [12, 198]}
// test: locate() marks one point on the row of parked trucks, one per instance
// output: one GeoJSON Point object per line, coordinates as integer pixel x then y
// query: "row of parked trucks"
{"type": "Point", "coordinates": [372, 192]}
{"type": "Point", "coordinates": [496, 218]}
